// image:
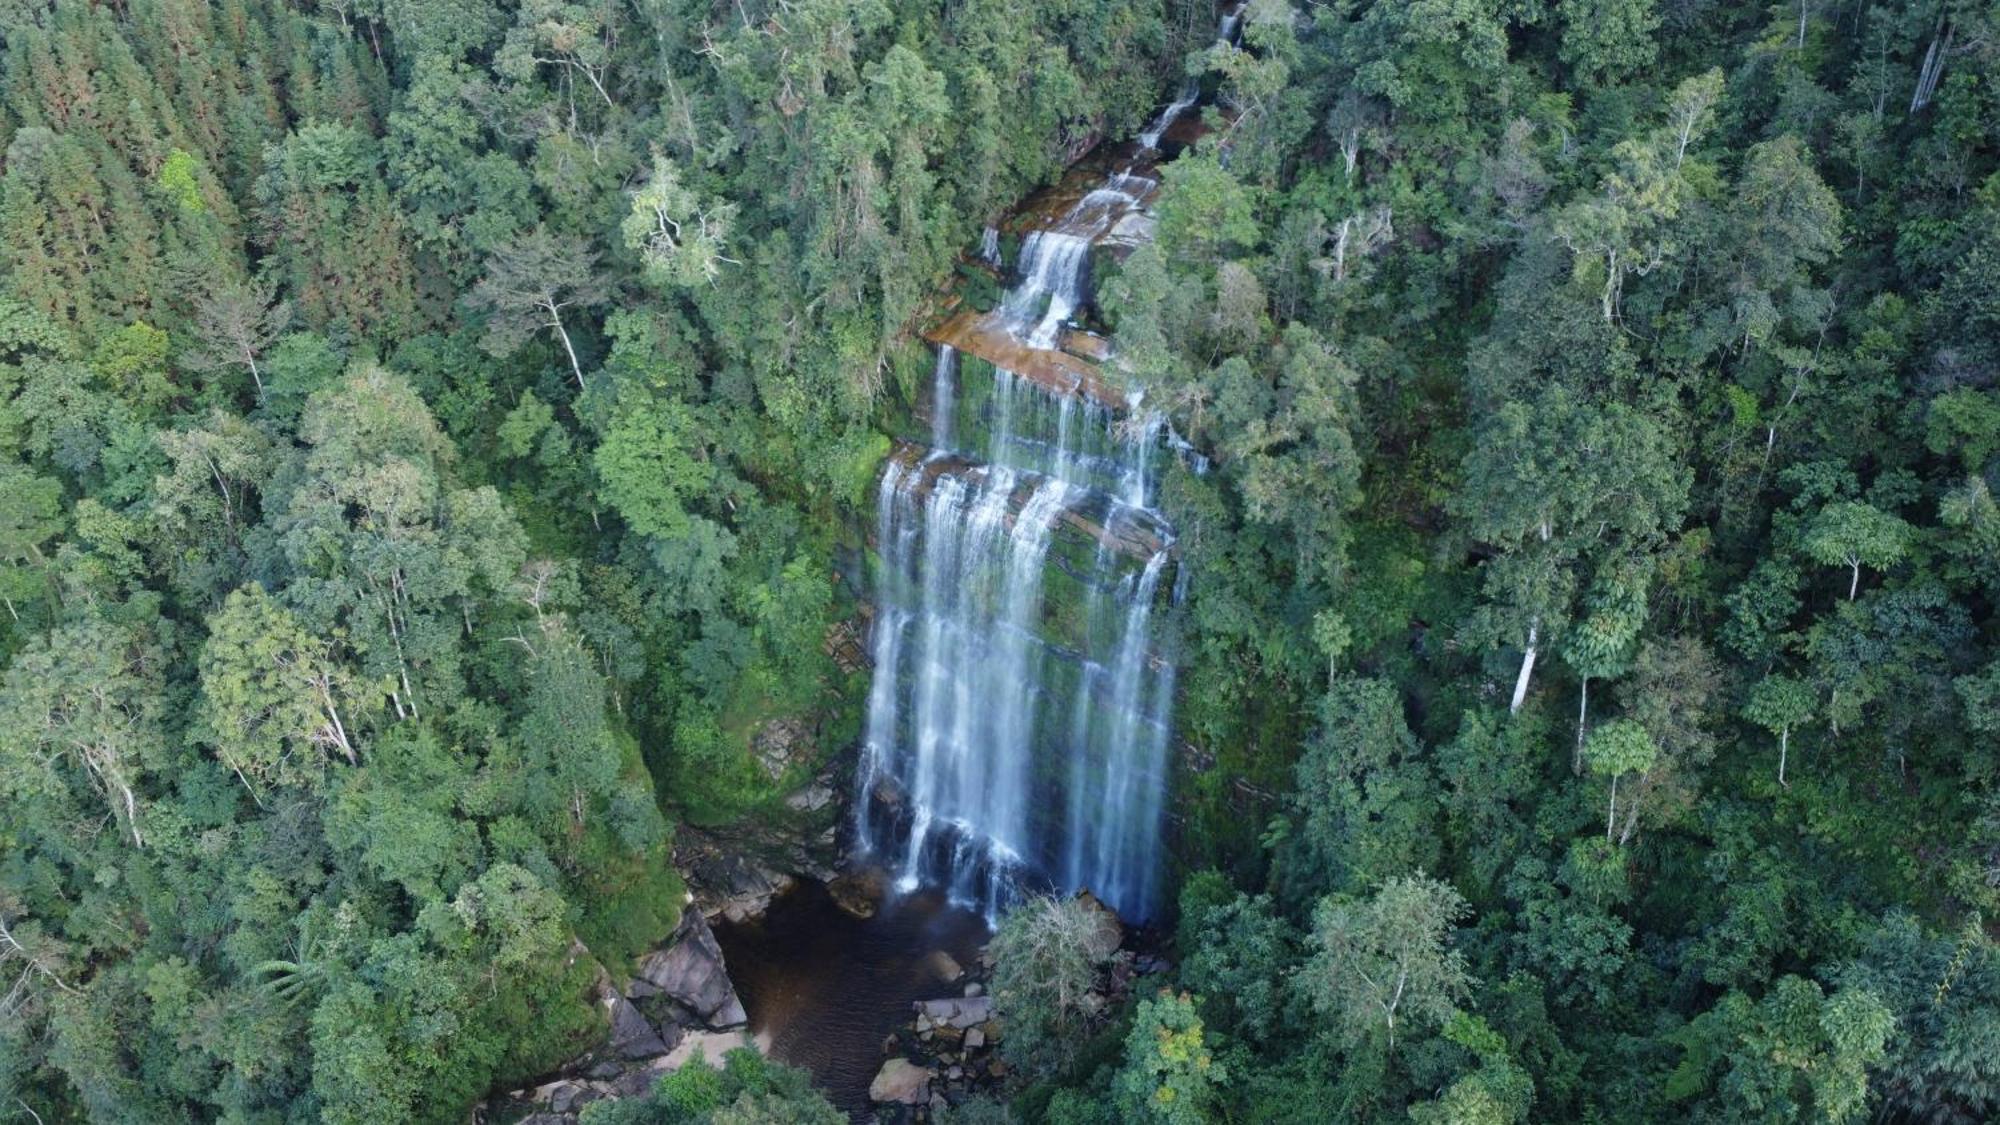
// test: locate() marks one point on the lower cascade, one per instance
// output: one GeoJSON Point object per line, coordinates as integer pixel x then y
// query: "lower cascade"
{"type": "Point", "coordinates": [1018, 721]}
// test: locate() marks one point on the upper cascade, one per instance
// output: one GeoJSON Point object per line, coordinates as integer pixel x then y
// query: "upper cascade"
{"type": "Point", "coordinates": [1227, 26]}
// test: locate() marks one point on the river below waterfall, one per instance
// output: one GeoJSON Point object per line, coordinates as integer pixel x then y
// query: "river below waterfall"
{"type": "Point", "coordinates": [824, 988]}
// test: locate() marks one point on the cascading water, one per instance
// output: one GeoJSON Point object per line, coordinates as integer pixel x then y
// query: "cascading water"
{"type": "Point", "coordinates": [1018, 721]}
{"type": "Point", "coordinates": [944, 387]}
{"type": "Point", "coordinates": [1189, 94]}
{"type": "Point", "coordinates": [1227, 25]}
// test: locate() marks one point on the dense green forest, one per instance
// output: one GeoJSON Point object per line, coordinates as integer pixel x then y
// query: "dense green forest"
{"type": "Point", "coordinates": [431, 432]}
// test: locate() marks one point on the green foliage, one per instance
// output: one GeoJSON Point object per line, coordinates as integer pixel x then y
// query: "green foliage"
{"type": "Point", "coordinates": [1855, 535]}
{"type": "Point", "coordinates": [1045, 961]}
{"type": "Point", "coordinates": [1170, 1076]}
{"type": "Point", "coordinates": [651, 467]}
{"type": "Point", "coordinates": [747, 1090]}
{"type": "Point", "coordinates": [1388, 958]}
{"type": "Point", "coordinates": [435, 437]}
{"type": "Point", "coordinates": [176, 179]}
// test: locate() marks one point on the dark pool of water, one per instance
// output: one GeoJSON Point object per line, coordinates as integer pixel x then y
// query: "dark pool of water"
{"type": "Point", "coordinates": [824, 988]}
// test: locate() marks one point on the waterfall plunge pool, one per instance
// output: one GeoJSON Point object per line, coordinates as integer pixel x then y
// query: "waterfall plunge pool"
{"type": "Point", "coordinates": [824, 988]}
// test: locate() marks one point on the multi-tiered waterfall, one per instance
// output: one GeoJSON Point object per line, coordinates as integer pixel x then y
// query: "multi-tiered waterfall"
{"type": "Point", "coordinates": [1018, 720]}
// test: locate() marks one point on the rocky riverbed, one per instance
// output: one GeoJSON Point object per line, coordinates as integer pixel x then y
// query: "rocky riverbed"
{"type": "Point", "coordinates": [947, 1049]}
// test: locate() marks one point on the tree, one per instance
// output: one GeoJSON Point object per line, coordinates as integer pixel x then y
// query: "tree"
{"type": "Point", "coordinates": [1671, 693]}
{"type": "Point", "coordinates": [1600, 646]}
{"type": "Point", "coordinates": [652, 463]}
{"type": "Point", "coordinates": [1853, 534]}
{"type": "Point", "coordinates": [235, 324]}
{"type": "Point", "coordinates": [1795, 1054]}
{"type": "Point", "coordinates": [1615, 749]}
{"type": "Point", "coordinates": [1388, 958]}
{"type": "Point", "coordinates": [1045, 960]}
{"type": "Point", "coordinates": [530, 283]}
{"type": "Point", "coordinates": [1779, 703]}
{"type": "Point", "coordinates": [1618, 233]}
{"type": "Point", "coordinates": [80, 726]}
{"type": "Point", "coordinates": [1604, 41]}
{"type": "Point", "coordinates": [336, 238]}
{"type": "Point", "coordinates": [1557, 473]}
{"type": "Point", "coordinates": [1940, 989]}
{"type": "Point", "coordinates": [679, 236]}
{"type": "Point", "coordinates": [1361, 787]}
{"type": "Point", "coordinates": [206, 502]}
{"type": "Point", "coordinates": [1204, 211]}
{"type": "Point", "coordinates": [1237, 954]}
{"type": "Point", "coordinates": [1170, 1076]}
{"type": "Point", "coordinates": [563, 729]}
{"type": "Point", "coordinates": [30, 515]}
{"type": "Point", "coordinates": [275, 701]}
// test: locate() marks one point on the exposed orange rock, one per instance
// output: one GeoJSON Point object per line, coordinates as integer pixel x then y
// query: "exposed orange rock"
{"type": "Point", "coordinates": [990, 337]}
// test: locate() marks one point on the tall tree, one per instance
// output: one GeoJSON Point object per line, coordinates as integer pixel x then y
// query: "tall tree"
{"type": "Point", "coordinates": [1388, 958]}
{"type": "Point", "coordinates": [530, 284]}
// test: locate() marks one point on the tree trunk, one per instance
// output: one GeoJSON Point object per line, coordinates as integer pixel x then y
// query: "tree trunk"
{"type": "Point", "coordinates": [575, 368]}
{"type": "Point", "coordinates": [1611, 814]}
{"type": "Point", "coordinates": [1611, 280]}
{"type": "Point", "coordinates": [1527, 669]}
{"type": "Point", "coordinates": [1582, 714]}
{"type": "Point", "coordinates": [1632, 811]}
{"type": "Point", "coordinates": [1854, 583]}
{"type": "Point", "coordinates": [1784, 747]}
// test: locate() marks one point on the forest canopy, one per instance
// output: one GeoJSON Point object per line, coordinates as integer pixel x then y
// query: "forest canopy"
{"type": "Point", "coordinates": [434, 434]}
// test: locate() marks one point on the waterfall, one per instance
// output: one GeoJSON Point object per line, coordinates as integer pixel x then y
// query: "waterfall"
{"type": "Point", "coordinates": [1053, 265]}
{"type": "Point", "coordinates": [944, 381]}
{"type": "Point", "coordinates": [1226, 27]}
{"type": "Point", "coordinates": [1125, 789]}
{"type": "Point", "coordinates": [1232, 22]}
{"type": "Point", "coordinates": [989, 247]}
{"type": "Point", "coordinates": [1189, 94]}
{"type": "Point", "coordinates": [1018, 720]}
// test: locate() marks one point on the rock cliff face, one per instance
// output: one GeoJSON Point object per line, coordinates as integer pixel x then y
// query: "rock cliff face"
{"type": "Point", "coordinates": [678, 1006]}
{"type": "Point", "coordinates": [686, 981]}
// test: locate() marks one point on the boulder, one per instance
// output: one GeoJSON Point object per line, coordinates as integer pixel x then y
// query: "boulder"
{"type": "Point", "coordinates": [944, 965]}
{"type": "Point", "coordinates": [959, 1012]}
{"type": "Point", "coordinates": [570, 1096]}
{"type": "Point", "coordinates": [858, 892]}
{"type": "Point", "coordinates": [781, 742]}
{"type": "Point", "coordinates": [902, 1082]}
{"type": "Point", "coordinates": [1109, 933]}
{"type": "Point", "coordinates": [631, 1035]}
{"type": "Point", "coordinates": [1088, 345]}
{"type": "Point", "coordinates": [690, 972]}
{"type": "Point", "coordinates": [810, 799]}
{"type": "Point", "coordinates": [733, 884]}
{"type": "Point", "coordinates": [974, 1038]}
